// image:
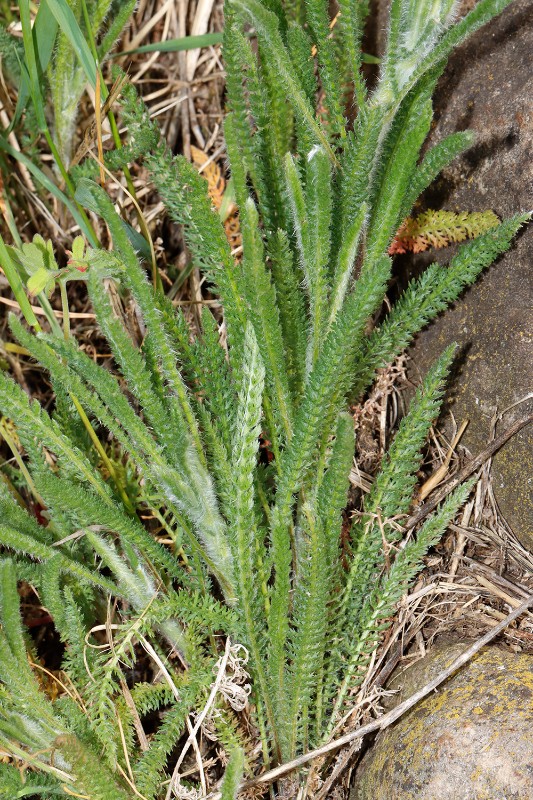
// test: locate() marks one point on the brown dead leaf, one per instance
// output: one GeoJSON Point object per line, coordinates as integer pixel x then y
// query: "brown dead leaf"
{"type": "Point", "coordinates": [216, 187]}
{"type": "Point", "coordinates": [212, 173]}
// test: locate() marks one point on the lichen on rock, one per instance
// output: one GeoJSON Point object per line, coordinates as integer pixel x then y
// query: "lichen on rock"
{"type": "Point", "coordinates": [470, 740]}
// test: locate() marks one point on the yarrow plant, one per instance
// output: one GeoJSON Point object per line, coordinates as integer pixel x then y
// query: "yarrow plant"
{"type": "Point", "coordinates": [244, 547]}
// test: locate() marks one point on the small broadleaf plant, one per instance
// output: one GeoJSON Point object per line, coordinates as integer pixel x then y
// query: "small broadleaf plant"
{"type": "Point", "coordinates": [230, 539]}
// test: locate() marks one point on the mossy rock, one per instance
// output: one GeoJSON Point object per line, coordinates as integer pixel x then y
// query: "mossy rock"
{"type": "Point", "coordinates": [487, 88]}
{"type": "Point", "coordinates": [470, 740]}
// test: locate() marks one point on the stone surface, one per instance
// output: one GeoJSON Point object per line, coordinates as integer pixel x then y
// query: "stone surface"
{"type": "Point", "coordinates": [487, 88]}
{"type": "Point", "coordinates": [470, 740]}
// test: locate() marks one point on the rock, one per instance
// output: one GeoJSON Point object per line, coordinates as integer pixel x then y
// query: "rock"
{"type": "Point", "coordinates": [487, 88]}
{"type": "Point", "coordinates": [470, 740]}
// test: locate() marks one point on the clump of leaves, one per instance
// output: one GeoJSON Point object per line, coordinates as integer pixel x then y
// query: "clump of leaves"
{"type": "Point", "coordinates": [244, 549]}
{"type": "Point", "coordinates": [37, 259]}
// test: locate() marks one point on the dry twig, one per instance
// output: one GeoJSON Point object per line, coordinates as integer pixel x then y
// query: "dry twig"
{"type": "Point", "coordinates": [466, 472]}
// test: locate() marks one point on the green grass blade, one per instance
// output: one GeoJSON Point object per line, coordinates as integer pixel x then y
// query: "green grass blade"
{"type": "Point", "coordinates": [69, 25]}
{"type": "Point", "coordinates": [17, 288]}
{"type": "Point", "coordinates": [51, 187]}
{"type": "Point", "coordinates": [176, 45]}
{"type": "Point", "coordinates": [32, 71]}
{"type": "Point", "coordinates": [44, 36]}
